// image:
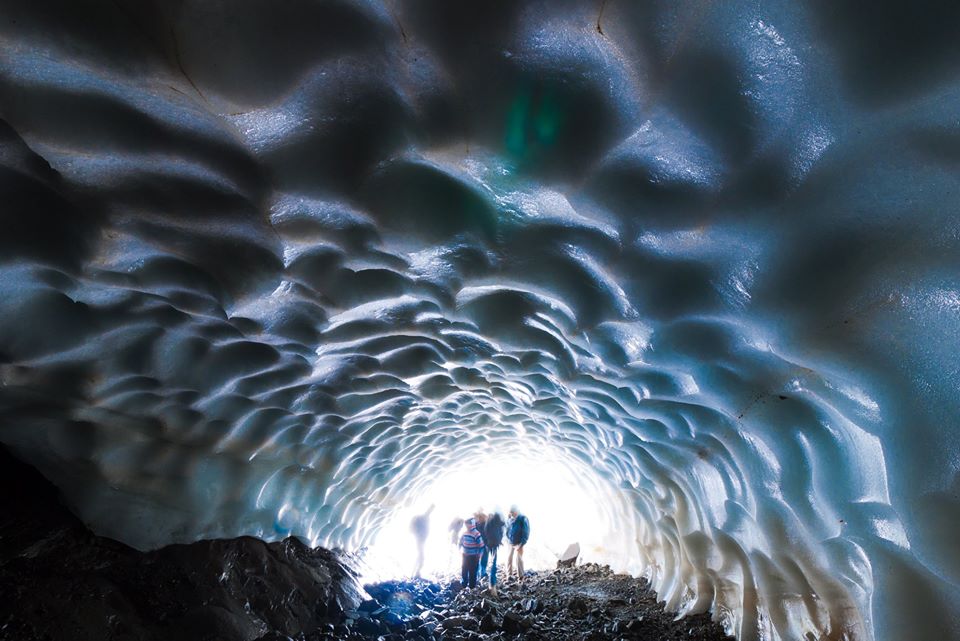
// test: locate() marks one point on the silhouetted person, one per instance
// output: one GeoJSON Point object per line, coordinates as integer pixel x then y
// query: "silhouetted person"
{"type": "Point", "coordinates": [517, 533]}
{"type": "Point", "coordinates": [481, 518]}
{"type": "Point", "coordinates": [471, 543]}
{"type": "Point", "coordinates": [454, 529]}
{"type": "Point", "coordinates": [420, 526]}
{"type": "Point", "coordinates": [492, 538]}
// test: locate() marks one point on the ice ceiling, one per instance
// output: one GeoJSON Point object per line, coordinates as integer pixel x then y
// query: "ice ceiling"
{"type": "Point", "coordinates": [273, 266]}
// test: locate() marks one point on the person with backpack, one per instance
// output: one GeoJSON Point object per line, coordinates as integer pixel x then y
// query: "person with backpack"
{"type": "Point", "coordinates": [471, 543]}
{"type": "Point", "coordinates": [518, 532]}
{"type": "Point", "coordinates": [481, 518]}
{"type": "Point", "coordinates": [492, 538]}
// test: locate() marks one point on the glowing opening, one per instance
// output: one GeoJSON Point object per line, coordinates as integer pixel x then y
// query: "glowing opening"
{"type": "Point", "coordinates": [563, 505]}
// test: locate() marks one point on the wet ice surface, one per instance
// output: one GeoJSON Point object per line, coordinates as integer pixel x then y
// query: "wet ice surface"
{"type": "Point", "coordinates": [705, 254]}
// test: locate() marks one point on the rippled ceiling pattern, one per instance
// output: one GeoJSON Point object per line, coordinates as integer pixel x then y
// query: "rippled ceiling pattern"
{"type": "Point", "coordinates": [271, 266]}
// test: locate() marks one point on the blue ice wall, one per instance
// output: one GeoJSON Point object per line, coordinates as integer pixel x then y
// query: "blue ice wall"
{"type": "Point", "coordinates": [269, 267]}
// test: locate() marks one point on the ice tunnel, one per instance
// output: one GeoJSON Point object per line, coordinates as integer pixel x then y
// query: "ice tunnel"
{"type": "Point", "coordinates": [276, 268]}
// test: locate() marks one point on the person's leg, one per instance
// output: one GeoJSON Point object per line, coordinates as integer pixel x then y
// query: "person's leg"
{"type": "Point", "coordinates": [510, 563]}
{"type": "Point", "coordinates": [419, 566]}
{"type": "Point", "coordinates": [483, 564]}
{"type": "Point", "coordinates": [464, 570]}
{"type": "Point", "coordinates": [520, 562]}
{"type": "Point", "coordinates": [473, 570]}
{"type": "Point", "coordinates": [493, 572]}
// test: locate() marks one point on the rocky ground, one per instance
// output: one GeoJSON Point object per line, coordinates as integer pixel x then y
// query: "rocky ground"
{"type": "Point", "coordinates": [61, 582]}
{"type": "Point", "coordinates": [584, 603]}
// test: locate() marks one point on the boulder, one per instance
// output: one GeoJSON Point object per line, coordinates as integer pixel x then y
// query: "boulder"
{"type": "Point", "coordinates": [569, 556]}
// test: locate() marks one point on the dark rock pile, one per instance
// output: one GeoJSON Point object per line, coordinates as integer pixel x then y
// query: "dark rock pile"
{"type": "Point", "coordinates": [59, 581]}
{"type": "Point", "coordinates": [585, 603]}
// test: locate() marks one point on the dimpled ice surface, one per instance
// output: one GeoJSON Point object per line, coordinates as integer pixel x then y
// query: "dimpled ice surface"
{"type": "Point", "coordinates": [273, 268]}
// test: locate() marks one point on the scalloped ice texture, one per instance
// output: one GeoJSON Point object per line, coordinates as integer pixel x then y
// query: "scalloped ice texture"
{"type": "Point", "coordinates": [270, 262]}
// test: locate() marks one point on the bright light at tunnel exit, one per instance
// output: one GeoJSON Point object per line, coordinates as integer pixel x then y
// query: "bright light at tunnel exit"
{"type": "Point", "coordinates": [556, 499]}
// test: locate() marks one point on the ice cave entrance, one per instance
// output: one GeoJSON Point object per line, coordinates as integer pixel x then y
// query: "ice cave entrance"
{"type": "Point", "coordinates": [565, 503]}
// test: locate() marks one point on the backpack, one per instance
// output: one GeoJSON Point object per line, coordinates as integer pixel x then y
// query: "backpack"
{"type": "Point", "coordinates": [493, 531]}
{"type": "Point", "coordinates": [519, 530]}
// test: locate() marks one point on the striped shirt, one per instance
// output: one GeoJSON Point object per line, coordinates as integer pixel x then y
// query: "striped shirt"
{"type": "Point", "coordinates": [472, 543]}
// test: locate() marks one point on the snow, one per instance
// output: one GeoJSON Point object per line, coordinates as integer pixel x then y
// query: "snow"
{"type": "Point", "coordinates": [701, 259]}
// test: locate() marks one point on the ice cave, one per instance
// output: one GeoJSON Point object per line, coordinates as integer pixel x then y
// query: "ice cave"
{"type": "Point", "coordinates": [681, 277]}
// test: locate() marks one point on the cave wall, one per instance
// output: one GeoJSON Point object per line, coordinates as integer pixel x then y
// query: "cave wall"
{"type": "Point", "coordinates": [266, 268]}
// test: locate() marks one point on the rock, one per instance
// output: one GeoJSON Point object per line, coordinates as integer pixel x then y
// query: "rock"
{"type": "Point", "coordinates": [569, 556]}
{"type": "Point", "coordinates": [63, 582]}
{"type": "Point", "coordinates": [366, 626]}
{"type": "Point", "coordinates": [488, 623]}
{"type": "Point", "coordinates": [369, 605]}
{"type": "Point", "coordinates": [636, 625]}
{"type": "Point", "coordinates": [274, 636]}
{"type": "Point", "coordinates": [578, 606]}
{"type": "Point", "coordinates": [482, 607]}
{"type": "Point", "coordinates": [466, 622]}
{"type": "Point", "coordinates": [511, 623]}
{"type": "Point", "coordinates": [391, 618]}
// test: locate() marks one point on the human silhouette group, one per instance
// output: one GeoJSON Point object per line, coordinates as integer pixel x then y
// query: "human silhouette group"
{"type": "Point", "coordinates": [479, 538]}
